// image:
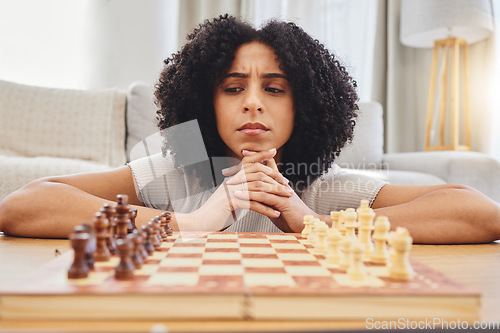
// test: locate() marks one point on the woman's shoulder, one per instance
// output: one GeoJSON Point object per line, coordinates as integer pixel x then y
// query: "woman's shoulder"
{"type": "Point", "coordinates": [155, 163]}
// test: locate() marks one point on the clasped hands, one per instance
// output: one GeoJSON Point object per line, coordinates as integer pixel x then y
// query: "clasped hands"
{"type": "Point", "coordinates": [257, 184]}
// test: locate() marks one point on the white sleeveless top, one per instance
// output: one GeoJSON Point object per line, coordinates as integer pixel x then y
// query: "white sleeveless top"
{"type": "Point", "coordinates": [163, 186]}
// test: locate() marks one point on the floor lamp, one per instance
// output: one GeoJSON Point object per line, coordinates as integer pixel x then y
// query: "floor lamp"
{"type": "Point", "coordinates": [447, 26]}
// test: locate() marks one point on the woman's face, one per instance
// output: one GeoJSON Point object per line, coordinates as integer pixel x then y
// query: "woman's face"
{"type": "Point", "coordinates": [254, 105]}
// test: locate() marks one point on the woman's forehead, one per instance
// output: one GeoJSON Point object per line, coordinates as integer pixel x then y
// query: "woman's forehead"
{"type": "Point", "coordinates": [255, 56]}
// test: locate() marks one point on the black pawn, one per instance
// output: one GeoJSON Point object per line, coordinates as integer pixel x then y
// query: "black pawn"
{"type": "Point", "coordinates": [136, 255]}
{"type": "Point", "coordinates": [91, 244]}
{"type": "Point", "coordinates": [125, 269]}
{"type": "Point", "coordinates": [132, 214]}
{"type": "Point", "coordinates": [148, 244]}
{"type": "Point", "coordinates": [110, 213]}
{"type": "Point", "coordinates": [154, 234]}
{"type": "Point", "coordinates": [101, 226]}
{"type": "Point", "coordinates": [79, 268]}
{"type": "Point", "coordinates": [141, 239]}
{"type": "Point", "coordinates": [163, 223]}
{"type": "Point", "coordinates": [168, 218]}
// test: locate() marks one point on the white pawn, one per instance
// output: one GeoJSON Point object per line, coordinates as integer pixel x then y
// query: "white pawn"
{"type": "Point", "coordinates": [356, 270]}
{"type": "Point", "coordinates": [391, 251]}
{"type": "Point", "coordinates": [315, 223]}
{"type": "Point", "coordinates": [400, 266]}
{"type": "Point", "coordinates": [311, 236]}
{"type": "Point", "coordinates": [380, 235]}
{"type": "Point", "coordinates": [341, 223]}
{"type": "Point", "coordinates": [320, 245]}
{"type": "Point", "coordinates": [307, 226]}
{"type": "Point", "coordinates": [335, 219]}
{"type": "Point", "coordinates": [345, 246]}
{"type": "Point", "coordinates": [333, 254]}
{"type": "Point", "coordinates": [350, 217]}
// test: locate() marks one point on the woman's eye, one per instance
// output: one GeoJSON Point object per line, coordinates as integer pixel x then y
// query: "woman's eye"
{"type": "Point", "coordinates": [233, 90]}
{"type": "Point", "coordinates": [275, 90]}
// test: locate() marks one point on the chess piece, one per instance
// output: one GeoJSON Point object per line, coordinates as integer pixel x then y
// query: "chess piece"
{"type": "Point", "coordinates": [341, 223]}
{"type": "Point", "coordinates": [155, 224]}
{"type": "Point", "coordinates": [392, 252]}
{"type": "Point", "coordinates": [137, 259]}
{"type": "Point", "coordinates": [320, 244]}
{"type": "Point", "coordinates": [101, 225]}
{"type": "Point", "coordinates": [163, 223]}
{"type": "Point", "coordinates": [122, 217]}
{"type": "Point", "coordinates": [168, 218]}
{"type": "Point", "coordinates": [110, 213]}
{"type": "Point", "coordinates": [356, 270]}
{"type": "Point", "coordinates": [350, 217]}
{"type": "Point", "coordinates": [400, 266]}
{"type": "Point", "coordinates": [380, 236]}
{"type": "Point", "coordinates": [79, 268]}
{"type": "Point", "coordinates": [333, 254]}
{"type": "Point", "coordinates": [307, 226]}
{"type": "Point", "coordinates": [132, 214]}
{"type": "Point", "coordinates": [311, 236]}
{"type": "Point", "coordinates": [125, 269]}
{"type": "Point", "coordinates": [365, 226]}
{"type": "Point", "coordinates": [316, 222]}
{"type": "Point", "coordinates": [153, 235]}
{"type": "Point", "coordinates": [91, 244]}
{"type": "Point", "coordinates": [147, 235]}
{"type": "Point", "coordinates": [345, 246]}
{"type": "Point", "coordinates": [335, 219]}
{"type": "Point", "coordinates": [140, 240]}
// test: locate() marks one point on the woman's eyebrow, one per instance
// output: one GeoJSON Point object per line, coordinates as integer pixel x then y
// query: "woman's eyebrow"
{"type": "Point", "coordinates": [265, 76]}
{"type": "Point", "coordinates": [274, 76]}
{"type": "Point", "coordinates": [236, 75]}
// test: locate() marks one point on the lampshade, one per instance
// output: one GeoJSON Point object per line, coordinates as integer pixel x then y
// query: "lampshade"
{"type": "Point", "coordinates": [425, 21]}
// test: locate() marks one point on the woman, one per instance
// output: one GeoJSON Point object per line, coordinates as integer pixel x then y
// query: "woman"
{"type": "Point", "coordinates": [267, 102]}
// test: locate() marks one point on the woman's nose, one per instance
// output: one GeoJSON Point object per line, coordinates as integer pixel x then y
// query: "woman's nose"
{"type": "Point", "coordinates": [252, 101]}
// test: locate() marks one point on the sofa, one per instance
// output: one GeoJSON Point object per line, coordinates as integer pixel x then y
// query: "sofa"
{"type": "Point", "coordinates": [50, 131]}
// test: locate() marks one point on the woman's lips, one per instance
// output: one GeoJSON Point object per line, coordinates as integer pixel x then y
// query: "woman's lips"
{"type": "Point", "coordinates": [249, 131]}
{"type": "Point", "coordinates": [253, 129]}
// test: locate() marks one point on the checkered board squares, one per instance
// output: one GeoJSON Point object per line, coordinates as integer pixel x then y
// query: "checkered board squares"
{"type": "Point", "coordinates": [234, 276]}
{"type": "Point", "coordinates": [240, 263]}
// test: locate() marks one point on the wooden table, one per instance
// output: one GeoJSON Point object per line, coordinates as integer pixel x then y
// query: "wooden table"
{"type": "Point", "coordinates": [477, 266]}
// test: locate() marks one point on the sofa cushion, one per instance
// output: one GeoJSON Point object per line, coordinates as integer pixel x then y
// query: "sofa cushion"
{"type": "Point", "coordinates": [141, 114]}
{"type": "Point", "coordinates": [366, 150]}
{"type": "Point", "coordinates": [17, 171]}
{"type": "Point", "coordinates": [86, 125]}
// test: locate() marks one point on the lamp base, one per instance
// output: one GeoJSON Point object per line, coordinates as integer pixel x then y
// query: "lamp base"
{"type": "Point", "coordinates": [454, 48]}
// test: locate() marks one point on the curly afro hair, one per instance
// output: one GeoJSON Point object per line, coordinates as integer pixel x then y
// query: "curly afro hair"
{"type": "Point", "coordinates": [324, 94]}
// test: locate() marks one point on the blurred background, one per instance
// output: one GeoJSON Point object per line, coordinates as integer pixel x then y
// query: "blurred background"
{"type": "Point", "coordinates": [96, 44]}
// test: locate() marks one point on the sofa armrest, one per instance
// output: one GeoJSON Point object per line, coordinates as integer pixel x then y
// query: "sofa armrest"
{"type": "Point", "coordinates": [473, 169]}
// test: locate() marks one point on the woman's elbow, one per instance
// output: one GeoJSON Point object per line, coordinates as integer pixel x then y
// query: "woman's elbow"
{"type": "Point", "coordinates": [16, 205]}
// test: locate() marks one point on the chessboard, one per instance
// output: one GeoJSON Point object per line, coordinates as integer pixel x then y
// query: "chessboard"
{"type": "Point", "coordinates": [235, 276]}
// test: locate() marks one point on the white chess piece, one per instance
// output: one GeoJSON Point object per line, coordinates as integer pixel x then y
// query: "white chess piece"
{"type": "Point", "coordinates": [380, 236]}
{"type": "Point", "coordinates": [307, 226]}
{"type": "Point", "coordinates": [350, 217]}
{"type": "Point", "coordinates": [356, 270]}
{"type": "Point", "coordinates": [335, 219]}
{"type": "Point", "coordinates": [345, 246]}
{"type": "Point", "coordinates": [320, 244]}
{"type": "Point", "coordinates": [400, 267]}
{"type": "Point", "coordinates": [311, 236]}
{"type": "Point", "coordinates": [365, 226]}
{"type": "Point", "coordinates": [341, 223]}
{"type": "Point", "coordinates": [333, 253]}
